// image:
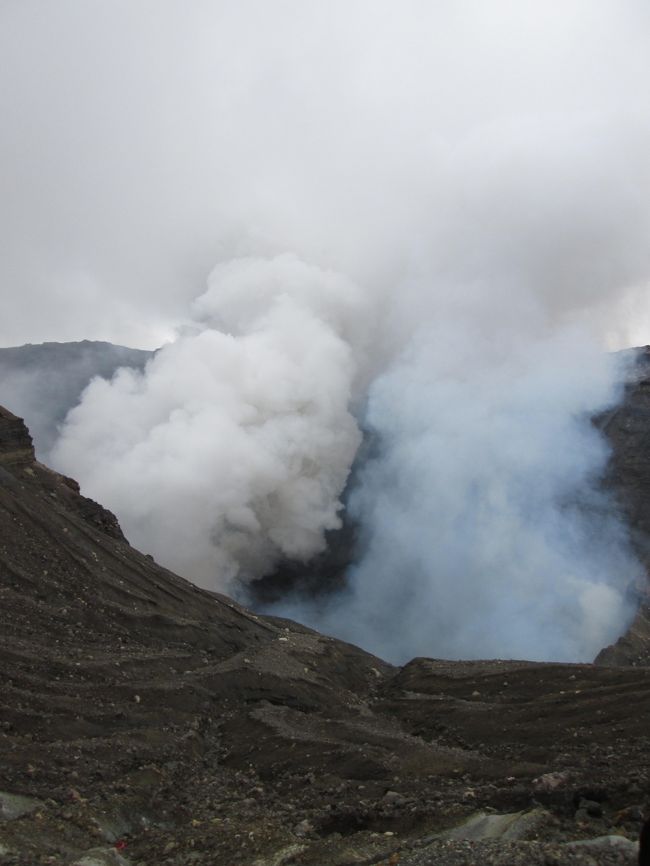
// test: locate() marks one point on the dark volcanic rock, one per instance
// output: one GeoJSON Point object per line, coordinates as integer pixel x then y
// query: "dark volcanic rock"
{"type": "Point", "coordinates": [627, 427]}
{"type": "Point", "coordinates": [323, 574]}
{"type": "Point", "coordinates": [16, 447]}
{"type": "Point", "coordinates": [147, 719]}
{"type": "Point", "coordinates": [632, 648]}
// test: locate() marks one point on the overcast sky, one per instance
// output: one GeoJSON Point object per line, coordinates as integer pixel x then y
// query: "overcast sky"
{"type": "Point", "coordinates": [144, 141]}
{"type": "Point", "coordinates": [421, 217]}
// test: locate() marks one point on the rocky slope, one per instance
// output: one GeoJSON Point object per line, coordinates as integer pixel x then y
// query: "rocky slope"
{"type": "Point", "coordinates": [145, 721]}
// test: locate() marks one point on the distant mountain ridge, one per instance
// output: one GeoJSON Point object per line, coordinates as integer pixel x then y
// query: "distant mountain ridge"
{"type": "Point", "coordinates": [43, 381]}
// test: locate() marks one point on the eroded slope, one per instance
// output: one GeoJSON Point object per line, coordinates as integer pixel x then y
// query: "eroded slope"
{"type": "Point", "coordinates": [160, 723]}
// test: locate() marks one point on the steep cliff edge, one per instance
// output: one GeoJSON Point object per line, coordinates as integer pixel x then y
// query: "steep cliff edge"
{"type": "Point", "coordinates": [16, 445]}
{"type": "Point", "coordinates": [627, 427]}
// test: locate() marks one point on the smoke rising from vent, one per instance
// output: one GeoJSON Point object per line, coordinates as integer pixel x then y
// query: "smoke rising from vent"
{"type": "Point", "coordinates": [427, 221]}
{"type": "Point", "coordinates": [230, 451]}
{"type": "Point", "coordinates": [484, 531]}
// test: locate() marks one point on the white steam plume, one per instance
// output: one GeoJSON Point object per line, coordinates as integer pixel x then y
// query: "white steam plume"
{"type": "Point", "coordinates": [485, 533]}
{"type": "Point", "coordinates": [442, 208]}
{"type": "Point", "coordinates": [232, 448]}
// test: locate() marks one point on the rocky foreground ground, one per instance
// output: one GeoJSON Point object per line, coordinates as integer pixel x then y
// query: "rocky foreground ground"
{"type": "Point", "coordinates": [145, 721]}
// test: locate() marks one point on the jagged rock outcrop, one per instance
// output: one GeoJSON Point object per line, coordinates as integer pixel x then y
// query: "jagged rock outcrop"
{"type": "Point", "coordinates": [146, 721]}
{"type": "Point", "coordinates": [633, 647]}
{"type": "Point", "coordinates": [16, 446]}
{"type": "Point", "coordinates": [627, 427]}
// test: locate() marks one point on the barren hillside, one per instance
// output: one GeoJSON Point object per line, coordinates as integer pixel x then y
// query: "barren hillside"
{"type": "Point", "coordinates": [146, 721]}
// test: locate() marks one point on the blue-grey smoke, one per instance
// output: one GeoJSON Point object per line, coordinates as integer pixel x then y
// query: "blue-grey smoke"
{"type": "Point", "coordinates": [485, 532]}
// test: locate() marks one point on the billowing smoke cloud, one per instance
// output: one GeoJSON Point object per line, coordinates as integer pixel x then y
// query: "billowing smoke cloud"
{"type": "Point", "coordinates": [485, 532]}
{"type": "Point", "coordinates": [427, 219]}
{"type": "Point", "coordinates": [230, 451]}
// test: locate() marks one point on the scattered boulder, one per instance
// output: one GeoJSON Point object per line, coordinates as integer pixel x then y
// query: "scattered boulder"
{"type": "Point", "coordinates": [550, 782]}
{"type": "Point", "coordinates": [620, 843]}
{"type": "Point", "coordinates": [102, 857]}
{"type": "Point", "coordinates": [513, 826]}
{"type": "Point", "coordinates": [14, 806]}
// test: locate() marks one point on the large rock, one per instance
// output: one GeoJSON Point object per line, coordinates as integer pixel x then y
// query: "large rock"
{"type": "Point", "coordinates": [14, 806]}
{"type": "Point", "coordinates": [16, 446]}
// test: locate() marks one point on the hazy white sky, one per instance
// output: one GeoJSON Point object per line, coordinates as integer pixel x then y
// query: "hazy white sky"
{"type": "Point", "coordinates": [144, 141]}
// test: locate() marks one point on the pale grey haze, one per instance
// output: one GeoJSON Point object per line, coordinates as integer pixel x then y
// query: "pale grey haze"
{"type": "Point", "coordinates": [428, 219]}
